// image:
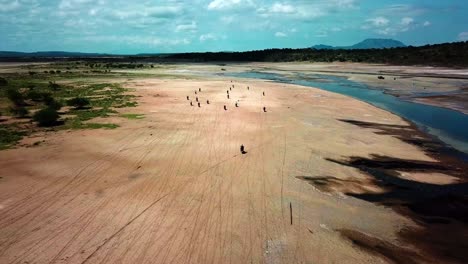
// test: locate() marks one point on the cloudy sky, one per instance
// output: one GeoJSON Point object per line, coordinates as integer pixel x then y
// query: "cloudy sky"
{"type": "Point", "coordinates": [121, 26]}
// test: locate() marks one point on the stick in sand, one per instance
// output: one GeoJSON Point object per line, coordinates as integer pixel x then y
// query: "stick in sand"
{"type": "Point", "coordinates": [290, 212]}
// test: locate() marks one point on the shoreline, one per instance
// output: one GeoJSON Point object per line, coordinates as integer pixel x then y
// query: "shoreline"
{"type": "Point", "coordinates": [451, 139]}
{"type": "Point", "coordinates": [416, 78]}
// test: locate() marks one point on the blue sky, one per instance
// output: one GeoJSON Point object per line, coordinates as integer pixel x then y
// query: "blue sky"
{"type": "Point", "coordinates": [120, 26]}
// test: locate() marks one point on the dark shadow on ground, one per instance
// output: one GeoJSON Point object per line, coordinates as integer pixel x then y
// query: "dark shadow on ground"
{"type": "Point", "coordinates": [440, 210]}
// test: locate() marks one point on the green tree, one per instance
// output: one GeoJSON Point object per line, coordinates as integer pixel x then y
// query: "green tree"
{"type": "Point", "coordinates": [15, 97]}
{"type": "Point", "coordinates": [52, 103]}
{"type": "Point", "coordinates": [78, 102]}
{"type": "Point", "coordinates": [46, 117]}
{"type": "Point", "coordinates": [35, 96]}
{"type": "Point", "coordinates": [19, 111]}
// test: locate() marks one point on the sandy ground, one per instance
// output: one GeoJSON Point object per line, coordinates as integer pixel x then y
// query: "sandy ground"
{"type": "Point", "coordinates": [174, 188]}
{"type": "Point", "coordinates": [443, 87]}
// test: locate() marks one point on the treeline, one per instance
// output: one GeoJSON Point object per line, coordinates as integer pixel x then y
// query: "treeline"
{"type": "Point", "coordinates": [447, 54]}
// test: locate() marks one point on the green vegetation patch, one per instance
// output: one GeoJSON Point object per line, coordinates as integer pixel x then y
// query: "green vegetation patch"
{"type": "Point", "coordinates": [133, 116]}
{"type": "Point", "coordinates": [77, 124]}
{"type": "Point", "coordinates": [40, 99]}
{"type": "Point", "coordinates": [9, 137]}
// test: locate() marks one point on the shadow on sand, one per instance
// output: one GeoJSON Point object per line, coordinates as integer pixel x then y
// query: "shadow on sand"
{"type": "Point", "coordinates": [440, 210]}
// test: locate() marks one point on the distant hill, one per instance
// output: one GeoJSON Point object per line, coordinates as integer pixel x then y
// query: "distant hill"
{"type": "Point", "coordinates": [49, 54]}
{"type": "Point", "coordinates": [366, 44]}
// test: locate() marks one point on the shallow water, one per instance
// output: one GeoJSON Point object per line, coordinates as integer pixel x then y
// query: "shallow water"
{"type": "Point", "coordinates": [449, 126]}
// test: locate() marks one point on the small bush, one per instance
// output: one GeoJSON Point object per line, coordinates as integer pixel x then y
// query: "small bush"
{"type": "Point", "coordinates": [78, 102]}
{"type": "Point", "coordinates": [15, 97]}
{"type": "Point", "coordinates": [3, 82]}
{"type": "Point", "coordinates": [19, 111]}
{"type": "Point", "coordinates": [54, 86]}
{"type": "Point", "coordinates": [52, 103]}
{"type": "Point", "coordinates": [46, 117]}
{"type": "Point", "coordinates": [9, 137]}
{"type": "Point", "coordinates": [35, 96]}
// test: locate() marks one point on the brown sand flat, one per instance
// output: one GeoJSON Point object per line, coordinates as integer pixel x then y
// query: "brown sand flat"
{"type": "Point", "coordinates": [174, 188]}
{"type": "Point", "coordinates": [408, 82]}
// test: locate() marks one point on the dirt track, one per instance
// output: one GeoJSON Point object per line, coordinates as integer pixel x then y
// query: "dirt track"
{"type": "Point", "coordinates": [174, 188]}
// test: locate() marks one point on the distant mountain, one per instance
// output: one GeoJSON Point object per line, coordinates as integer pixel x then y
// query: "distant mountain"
{"type": "Point", "coordinates": [49, 54]}
{"type": "Point", "coordinates": [367, 44]}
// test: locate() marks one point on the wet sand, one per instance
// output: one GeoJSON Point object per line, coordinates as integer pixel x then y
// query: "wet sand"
{"type": "Point", "coordinates": [174, 188]}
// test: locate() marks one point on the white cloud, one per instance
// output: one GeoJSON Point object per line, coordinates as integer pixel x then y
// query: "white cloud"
{"type": "Point", "coordinates": [156, 12]}
{"type": "Point", "coordinates": [303, 11]}
{"type": "Point", "coordinates": [384, 26]}
{"type": "Point", "coordinates": [426, 23]}
{"type": "Point", "coordinates": [463, 36]}
{"type": "Point", "coordinates": [344, 3]}
{"type": "Point", "coordinates": [141, 40]}
{"type": "Point", "coordinates": [378, 21]}
{"type": "Point", "coordinates": [401, 10]}
{"type": "Point", "coordinates": [280, 35]}
{"type": "Point", "coordinates": [92, 12]}
{"type": "Point", "coordinates": [228, 19]}
{"type": "Point", "coordinates": [71, 4]}
{"type": "Point", "coordinates": [282, 8]}
{"type": "Point", "coordinates": [406, 21]}
{"type": "Point", "coordinates": [336, 29]}
{"type": "Point", "coordinates": [9, 6]}
{"type": "Point", "coordinates": [192, 27]}
{"type": "Point", "coordinates": [229, 4]}
{"type": "Point", "coordinates": [206, 37]}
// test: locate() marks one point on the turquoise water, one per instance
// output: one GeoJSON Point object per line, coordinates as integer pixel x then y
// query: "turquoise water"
{"type": "Point", "coordinates": [449, 126]}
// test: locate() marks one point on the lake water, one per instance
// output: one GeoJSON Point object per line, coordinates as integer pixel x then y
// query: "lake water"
{"type": "Point", "coordinates": [449, 126]}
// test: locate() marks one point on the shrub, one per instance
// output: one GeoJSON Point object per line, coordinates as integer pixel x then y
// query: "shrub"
{"type": "Point", "coordinates": [19, 111]}
{"type": "Point", "coordinates": [46, 117]}
{"type": "Point", "coordinates": [15, 97]}
{"type": "Point", "coordinates": [9, 137]}
{"type": "Point", "coordinates": [54, 86]}
{"type": "Point", "coordinates": [35, 96]}
{"type": "Point", "coordinates": [78, 102]}
{"type": "Point", "coordinates": [3, 82]}
{"type": "Point", "coordinates": [52, 103]}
